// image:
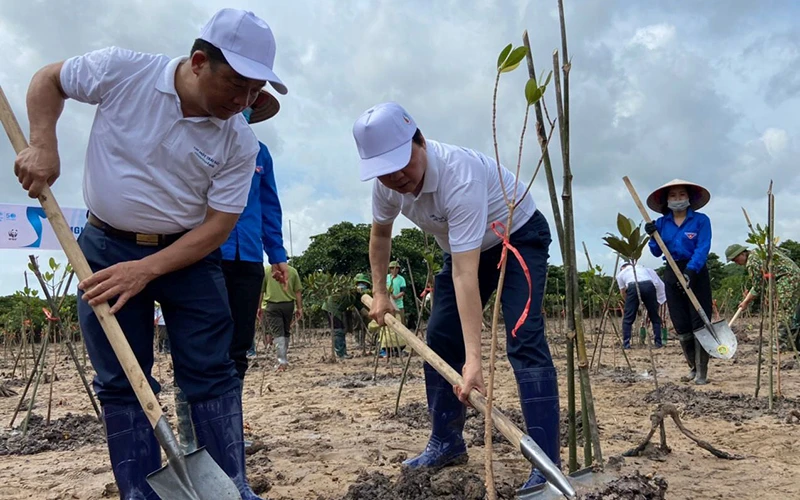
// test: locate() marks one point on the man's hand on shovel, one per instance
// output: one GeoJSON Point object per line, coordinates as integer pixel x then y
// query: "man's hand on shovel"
{"type": "Point", "coordinates": [472, 378]}
{"type": "Point", "coordinates": [37, 167]}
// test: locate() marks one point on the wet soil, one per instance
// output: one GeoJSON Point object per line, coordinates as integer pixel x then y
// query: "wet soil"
{"type": "Point", "coordinates": [67, 433]}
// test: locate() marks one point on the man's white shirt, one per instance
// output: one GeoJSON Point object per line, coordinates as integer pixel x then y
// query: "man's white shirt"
{"type": "Point", "coordinates": [149, 169]}
{"type": "Point", "coordinates": [643, 274]}
{"type": "Point", "coordinates": [460, 198]}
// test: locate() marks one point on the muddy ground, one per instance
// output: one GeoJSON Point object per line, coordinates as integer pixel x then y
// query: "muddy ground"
{"type": "Point", "coordinates": [327, 431]}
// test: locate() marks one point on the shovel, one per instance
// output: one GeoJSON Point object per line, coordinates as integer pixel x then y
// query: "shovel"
{"type": "Point", "coordinates": [195, 476]}
{"type": "Point", "coordinates": [717, 338]}
{"type": "Point", "coordinates": [558, 485]}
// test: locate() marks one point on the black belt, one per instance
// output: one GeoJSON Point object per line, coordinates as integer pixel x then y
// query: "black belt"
{"type": "Point", "coordinates": [147, 240]}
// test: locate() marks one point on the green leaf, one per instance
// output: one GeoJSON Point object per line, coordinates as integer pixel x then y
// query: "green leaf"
{"type": "Point", "coordinates": [35, 293]}
{"type": "Point", "coordinates": [52, 263]}
{"type": "Point", "coordinates": [503, 56]}
{"type": "Point", "coordinates": [636, 237]}
{"type": "Point", "coordinates": [30, 266]}
{"type": "Point", "coordinates": [547, 81]}
{"type": "Point", "coordinates": [533, 92]}
{"type": "Point", "coordinates": [48, 276]}
{"type": "Point", "coordinates": [26, 291]}
{"type": "Point", "coordinates": [516, 57]}
{"type": "Point", "coordinates": [623, 225]}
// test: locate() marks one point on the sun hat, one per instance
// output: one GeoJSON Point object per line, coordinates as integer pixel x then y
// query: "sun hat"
{"type": "Point", "coordinates": [383, 135]}
{"type": "Point", "coordinates": [698, 196]}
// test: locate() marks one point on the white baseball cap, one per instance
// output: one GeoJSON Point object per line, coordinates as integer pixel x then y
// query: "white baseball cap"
{"type": "Point", "coordinates": [383, 136]}
{"type": "Point", "coordinates": [247, 43]}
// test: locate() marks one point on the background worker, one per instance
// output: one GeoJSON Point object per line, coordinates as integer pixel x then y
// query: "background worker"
{"type": "Point", "coordinates": [396, 287]}
{"type": "Point", "coordinates": [652, 290]}
{"type": "Point", "coordinates": [282, 302]}
{"type": "Point", "coordinates": [687, 235]}
{"type": "Point", "coordinates": [787, 284]}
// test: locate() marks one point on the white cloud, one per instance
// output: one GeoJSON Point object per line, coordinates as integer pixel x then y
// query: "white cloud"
{"type": "Point", "coordinates": [775, 140]}
{"type": "Point", "coordinates": [654, 36]}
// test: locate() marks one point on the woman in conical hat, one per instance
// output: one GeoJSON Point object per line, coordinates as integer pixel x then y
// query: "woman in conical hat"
{"type": "Point", "coordinates": [687, 235]}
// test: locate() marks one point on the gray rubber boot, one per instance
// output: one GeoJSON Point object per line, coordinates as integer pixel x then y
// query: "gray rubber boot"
{"type": "Point", "coordinates": [282, 349]}
{"type": "Point", "coordinates": [688, 347]}
{"type": "Point", "coordinates": [185, 428]}
{"type": "Point", "coordinates": [701, 362]}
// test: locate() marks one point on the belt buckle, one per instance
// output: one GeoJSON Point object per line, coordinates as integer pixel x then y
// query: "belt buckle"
{"type": "Point", "coordinates": [147, 240]}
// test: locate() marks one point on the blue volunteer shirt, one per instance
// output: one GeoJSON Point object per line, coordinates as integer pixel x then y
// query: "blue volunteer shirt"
{"type": "Point", "coordinates": [259, 225]}
{"type": "Point", "coordinates": [691, 241]}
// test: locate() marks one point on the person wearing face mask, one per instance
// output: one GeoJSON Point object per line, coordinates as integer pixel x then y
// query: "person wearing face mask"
{"type": "Point", "coordinates": [457, 195]}
{"type": "Point", "coordinates": [687, 235]}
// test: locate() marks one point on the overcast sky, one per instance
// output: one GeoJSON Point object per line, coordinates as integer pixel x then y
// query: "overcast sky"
{"type": "Point", "coordinates": [705, 91]}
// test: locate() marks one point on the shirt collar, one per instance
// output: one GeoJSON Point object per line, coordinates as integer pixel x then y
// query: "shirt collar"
{"type": "Point", "coordinates": [431, 181]}
{"type": "Point", "coordinates": [671, 215]}
{"type": "Point", "coordinates": [166, 84]}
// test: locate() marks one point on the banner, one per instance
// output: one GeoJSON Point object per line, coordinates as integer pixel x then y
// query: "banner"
{"type": "Point", "coordinates": [27, 227]}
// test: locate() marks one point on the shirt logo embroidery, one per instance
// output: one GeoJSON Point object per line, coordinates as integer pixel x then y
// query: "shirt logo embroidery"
{"type": "Point", "coordinates": [259, 169]}
{"type": "Point", "coordinates": [406, 119]}
{"type": "Point", "coordinates": [208, 160]}
{"type": "Point", "coordinates": [438, 218]}
{"type": "Point", "coordinates": [691, 235]}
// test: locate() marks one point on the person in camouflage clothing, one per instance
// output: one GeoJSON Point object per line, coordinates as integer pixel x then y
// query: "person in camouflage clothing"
{"type": "Point", "coordinates": [337, 307]}
{"type": "Point", "coordinates": [787, 283]}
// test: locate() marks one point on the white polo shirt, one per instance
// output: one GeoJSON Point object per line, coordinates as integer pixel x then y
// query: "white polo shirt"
{"type": "Point", "coordinates": [461, 196]}
{"type": "Point", "coordinates": [149, 169]}
{"type": "Point", "coordinates": [644, 274]}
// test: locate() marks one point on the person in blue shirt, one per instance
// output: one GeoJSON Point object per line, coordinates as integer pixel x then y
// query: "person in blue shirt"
{"type": "Point", "coordinates": [687, 235]}
{"type": "Point", "coordinates": [258, 231]}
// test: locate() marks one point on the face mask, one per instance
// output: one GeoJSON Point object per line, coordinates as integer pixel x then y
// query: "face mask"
{"type": "Point", "coordinates": [247, 112]}
{"type": "Point", "coordinates": [678, 206]}
{"type": "Point", "coordinates": [361, 288]}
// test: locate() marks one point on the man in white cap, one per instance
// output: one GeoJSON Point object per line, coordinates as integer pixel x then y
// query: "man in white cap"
{"type": "Point", "coordinates": [168, 170]}
{"type": "Point", "coordinates": [456, 194]}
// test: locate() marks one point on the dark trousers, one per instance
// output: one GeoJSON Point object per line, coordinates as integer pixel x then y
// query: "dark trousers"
{"type": "Point", "coordinates": [650, 299]}
{"type": "Point", "coordinates": [279, 318]}
{"type": "Point", "coordinates": [243, 281]}
{"type": "Point", "coordinates": [194, 302]}
{"type": "Point", "coordinates": [529, 348]}
{"type": "Point", "coordinates": [683, 314]}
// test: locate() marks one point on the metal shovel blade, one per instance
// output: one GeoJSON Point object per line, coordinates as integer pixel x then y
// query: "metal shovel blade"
{"type": "Point", "coordinates": [721, 343]}
{"type": "Point", "coordinates": [582, 481]}
{"type": "Point", "coordinates": [195, 476]}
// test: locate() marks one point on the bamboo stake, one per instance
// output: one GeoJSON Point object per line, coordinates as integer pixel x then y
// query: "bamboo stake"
{"type": "Point", "coordinates": [39, 372]}
{"type": "Point", "coordinates": [569, 311]}
{"type": "Point", "coordinates": [770, 292]}
{"type": "Point", "coordinates": [416, 333]}
{"type": "Point", "coordinates": [543, 143]}
{"type": "Point", "coordinates": [605, 316]}
{"type": "Point", "coordinates": [575, 312]}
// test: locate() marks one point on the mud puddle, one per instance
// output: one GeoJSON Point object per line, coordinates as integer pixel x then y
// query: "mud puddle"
{"type": "Point", "coordinates": [365, 379]}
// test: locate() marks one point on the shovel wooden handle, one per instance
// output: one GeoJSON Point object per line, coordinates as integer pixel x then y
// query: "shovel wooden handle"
{"type": "Point", "coordinates": [738, 311]}
{"type": "Point", "coordinates": [78, 261]}
{"type": "Point", "coordinates": [506, 427]}
{"type": "Point", "coordinates": [670, 260]}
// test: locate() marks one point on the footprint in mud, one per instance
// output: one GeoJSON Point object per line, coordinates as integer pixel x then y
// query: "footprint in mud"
{"type": "Point", "coordinates": [67, 433]}
{"type": "Point", "coordinates": [364, 379]}
{"type": "Point", "coordinates": [447, 484]}
{"type": "Point", "coordinates": [630, 487]}
{"type": "Point", "coordinates": [730, 407]}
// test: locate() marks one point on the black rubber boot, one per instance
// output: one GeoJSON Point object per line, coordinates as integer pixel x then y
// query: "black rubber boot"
{"type": "Point", "coordinates": [688, 347]}
{"type": "Point", "coordinates": [702, 364]}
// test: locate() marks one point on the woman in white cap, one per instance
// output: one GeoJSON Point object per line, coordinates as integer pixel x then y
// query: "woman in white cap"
{"type": "Point", "coordinates": [455, 194]}
{"type": "Point", "coordinates": [687, 235]}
